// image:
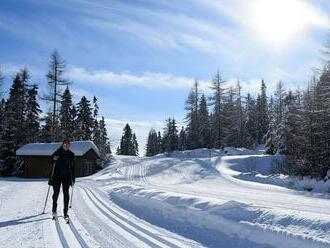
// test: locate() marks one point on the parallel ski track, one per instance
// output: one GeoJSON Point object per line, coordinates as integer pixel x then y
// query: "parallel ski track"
{"type": "Point", "coordinates": [130, 223]}
{"type": "Point", "coordinates": [77, 235]}
{"type": "Point", "coordinates": [74, 231]}
{"type": "Point", "coordinates": [61, 234]}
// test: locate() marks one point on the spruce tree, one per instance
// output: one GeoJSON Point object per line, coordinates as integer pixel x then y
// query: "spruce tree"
{"type": "Point", "coordinates": [46, 128]}
{"type": "Point", "coordinates": [2, 78]}
{"type": "Point", "coordinates": [279, 107]}
{"type": "Point", "coordinates": [128, 144]}
{"type": "Point", "coordinates": [204, 124]}
{"type": "Point", "coordinates": [66, 117]}
{"type": "Point", "coordinates": [192, 117]}
{"type": "Point", "coordinates": [84, 120]}
{"type": "Point", "coordinates": [251, 121]}
{"type": "Point", "coordinates": [160, 142]}
{"type": "Point", "coordinates": [13, 130]}
{"type": "Point", "coordinates": [262, 114]}
{"type": "Point", "coordinates": [32, 123]}
{"type": "Point", "coordinates": [96, 127]}
{"type": "Point", "coordinates": [182, 139]}
{"type": "Point", "coordinates": [135, 146]}
{"type": "Point", "coordinates": [170, 137]}
{"type": "Point", "coordinates": [104, 143]}
{"type": "Point", "coordinates": [152, 143]}
{"type": "Point", "coordinates": [217, 114]}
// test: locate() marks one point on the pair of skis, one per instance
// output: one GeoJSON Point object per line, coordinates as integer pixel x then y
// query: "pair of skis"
{"type": "Point", "coordinates": [66, 219]}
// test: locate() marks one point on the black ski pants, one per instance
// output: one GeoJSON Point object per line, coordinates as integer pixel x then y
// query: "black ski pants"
{"type": "Point", "coordinates": [56, 190]}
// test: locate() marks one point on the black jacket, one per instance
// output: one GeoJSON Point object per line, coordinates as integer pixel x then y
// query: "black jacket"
{"type": "Point", "coordinates": [64, 169]}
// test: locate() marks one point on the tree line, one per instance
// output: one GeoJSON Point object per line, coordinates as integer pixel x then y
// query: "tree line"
{"type": "Point", "coordinates": [22, 120]}
{"type": "Point", "coordinates": [233, 120]}
{"type": "Point", "coordinates": [294, 123]}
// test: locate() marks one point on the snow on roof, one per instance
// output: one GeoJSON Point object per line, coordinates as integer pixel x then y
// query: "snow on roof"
{"type": "Point", "coordinates": [79, 148]}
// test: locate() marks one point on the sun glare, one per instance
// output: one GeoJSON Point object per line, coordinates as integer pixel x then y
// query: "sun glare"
{"type": "Point", "coordinates": [278, 21]}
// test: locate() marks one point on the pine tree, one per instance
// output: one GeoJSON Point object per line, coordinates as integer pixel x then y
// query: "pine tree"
{"type": "Point", "coordinates": [182, 139]}
{"type": "Point", "coordinates": [204, 124]}
{"type": "Point", "coordinates": [13, 130]}
{"type": "Point", "coordinates": [55, 82]}
{"type": "Point", "coordinates": [135, 146]}
{"type": "Point", "coordinates": [262, 113]}
{"type": "Point", "coordinates": [217, 115]}
{"type": "Point", "coordinates": [84, 120]}
{"type": "Point", "coordinates": [170, 137]}
{"type": "Point", "coordinates": [2, 78]}
{"type": "Point", "coordinates": [230, 124]}
{"type": "Point", "coordinates": [160, 142]}
{"type": "Point", "coordinates": [192, 117]}
{"type": "Point", "coordinates": [46, 128]}
{"type": "Point", "coordinates": [128, 144]}
{"type": "Point", "coordinates": [96, 134]}
{"type": "Point", "coordinates": [152, 144]}
{"type": "Point", "coordinates": [269, 137]}
{"type": "Point", "coordinates": [241, 118]}
{"type": "Point", "coordinates": [74, 123]}
{"type": "Point", "coordinates": [32, 123]}
{"type": "Point", "coordinates": [104, 143]}
{"type": "Point", "coordinates": [279, 108]}
{"type": "Point", "coordinates": [251, 121]}
{"type": "Point", "coordinates": [2, 114]}
{"type": "Point", "coordinates": [66, 117]}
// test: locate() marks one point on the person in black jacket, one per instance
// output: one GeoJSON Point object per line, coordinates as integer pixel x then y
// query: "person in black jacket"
{"type": "Point", "coordinates": [63, 172]}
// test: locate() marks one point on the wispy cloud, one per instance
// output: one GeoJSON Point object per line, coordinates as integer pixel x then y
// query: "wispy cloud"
{"type": "Point", "coordinates": [146, 80]}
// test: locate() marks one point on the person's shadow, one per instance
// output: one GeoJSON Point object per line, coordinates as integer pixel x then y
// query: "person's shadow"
{"type": "Point", "coordinates": [23, 220]}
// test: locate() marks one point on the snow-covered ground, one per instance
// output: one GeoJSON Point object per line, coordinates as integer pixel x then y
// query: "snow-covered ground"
{"type": "Point", "coordinates": [183, 199]}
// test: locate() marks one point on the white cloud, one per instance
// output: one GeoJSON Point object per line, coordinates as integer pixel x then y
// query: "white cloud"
{"type": "Point", "coordinates": [146, 80]}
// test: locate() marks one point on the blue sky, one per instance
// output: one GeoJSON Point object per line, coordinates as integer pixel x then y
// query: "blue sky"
{"type": "Point", "coordinates": [140, 58]}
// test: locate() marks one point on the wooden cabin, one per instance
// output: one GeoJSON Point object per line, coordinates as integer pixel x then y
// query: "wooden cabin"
{"type": "Point", "coordinates": [37, 162]}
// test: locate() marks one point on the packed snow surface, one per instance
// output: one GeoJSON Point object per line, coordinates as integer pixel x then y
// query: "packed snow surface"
{"type": "Point", "coordinates": [200, 198]}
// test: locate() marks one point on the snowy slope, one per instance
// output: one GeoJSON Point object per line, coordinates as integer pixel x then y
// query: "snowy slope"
{"type": "Point", "coordinates": [184, 199]}
{"type": "Point", "coordinates": [197, 196]}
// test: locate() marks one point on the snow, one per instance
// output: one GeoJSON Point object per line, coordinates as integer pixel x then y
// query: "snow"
{"type": "Point", "coordinates": [79, 148]}
{"type": "Point", "coordinates": [226, 201]}
{"type": "Point", "coordinates": [223, 198]}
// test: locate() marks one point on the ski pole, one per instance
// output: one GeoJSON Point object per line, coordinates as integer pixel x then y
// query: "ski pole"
{"type": "Point", "coordinates": [51, 178]}
{"type": "Point", "coordinates": [43, 211]}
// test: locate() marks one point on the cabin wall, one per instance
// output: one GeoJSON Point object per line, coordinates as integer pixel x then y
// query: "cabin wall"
{"type": "Point", "coordinates": [41, 166]}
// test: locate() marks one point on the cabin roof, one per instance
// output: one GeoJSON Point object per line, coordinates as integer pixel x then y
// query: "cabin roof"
{"type": "Point", "coordinates": [79, 148]}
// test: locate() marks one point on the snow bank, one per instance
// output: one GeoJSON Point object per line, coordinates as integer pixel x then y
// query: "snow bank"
{"type": "Point", "coordinates": [222, 223]}
{"type": "Point", "coordinates": [266, 169]}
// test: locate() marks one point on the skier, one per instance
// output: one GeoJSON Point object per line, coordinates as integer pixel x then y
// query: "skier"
{"type": "Point", "coordinates": [63, 173]}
